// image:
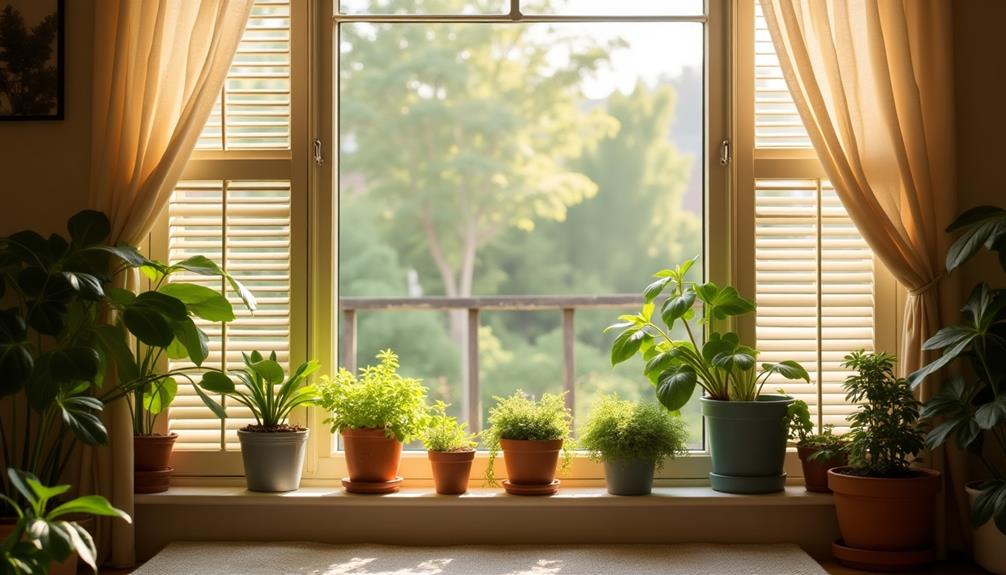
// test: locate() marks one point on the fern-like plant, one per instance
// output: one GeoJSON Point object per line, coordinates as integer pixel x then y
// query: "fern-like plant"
{"type": "Point", "coordinates": [621, 430]}
{"type": "Point", "coordinates": [519, 416]}
{"type": "Point", "coordinates": [445, 433]}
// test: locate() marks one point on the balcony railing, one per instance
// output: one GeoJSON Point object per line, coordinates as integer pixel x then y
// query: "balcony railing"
{"type": "Point", "coordinates": [471, 408]}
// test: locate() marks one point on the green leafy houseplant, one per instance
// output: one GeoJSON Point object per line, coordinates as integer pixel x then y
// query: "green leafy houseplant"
{"type": "Point", "coordinates": [623, 430]}
{"type": "Point", "coordinates": [444, 433]}
{"type": "Point", "coordinates": [970, 409]}
{"type": "Point", "coordinates": [723, 367]}
{"type": "Point", "coordinates": [826, 446]}
{"type": "Point", "coordinates": [50, 360]}
{"type": "Point", "coordinates": [162, 320]}
{"type": "Point", "coordinates": [885, 433]}
{"type": "Point", "coordinates": [379, 398]}
{"type": "Point", "coordinates": [265, 389]}
{"type": "Point", "coordinates": [520, 417]}
{"type": "Point", "coordinates": [43, 536]}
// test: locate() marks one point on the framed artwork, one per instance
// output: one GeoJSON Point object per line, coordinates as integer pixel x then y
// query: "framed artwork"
{"type": "Point", "coordinates": [31, 60]}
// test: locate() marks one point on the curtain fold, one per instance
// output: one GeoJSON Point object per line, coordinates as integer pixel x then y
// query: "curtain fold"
{"type": "Point", "coordinates": [873, 83]}
{"type": "Point", "coordinates": [159, 66]}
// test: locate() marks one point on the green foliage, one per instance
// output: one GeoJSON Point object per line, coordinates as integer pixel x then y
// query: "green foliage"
{"type": "Point", "coordinates": [42, 535]}
{"type": "Point", "coordinates": [445, 433]}
{"type": "Point", "coordinates": [826, 445]}
{"type": "Point", "coordinates": [379, 398]}
{"type": "Point", "coordinates": [625, 430]}
{"type": "Point", "coordinates": [519, 416]}
{"type": "Point", "coordinates": [885, 429]}
{"type": "Point", "coordinates": [266, 390]}
{"type": "Point", "coordinates": [798, 420]}
{"type": "Point", "coordinates": [163, 320]}
{"type": "Point", "coordinates": [972, 408]}
{"type": "Point", "coordinates": [722, 366]}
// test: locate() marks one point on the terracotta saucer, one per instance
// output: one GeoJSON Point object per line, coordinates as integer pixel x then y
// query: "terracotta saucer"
{"type": "Point", "coordinates": [372, 487]}
{"type": "Point", "coordinates": [872, 560]}
{"type": "Point", "coordinates": [157, 481]}
{"type": "Point", "coordinates": [523, 489]}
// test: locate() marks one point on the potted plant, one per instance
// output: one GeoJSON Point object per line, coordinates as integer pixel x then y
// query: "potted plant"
{"type": "Point", "coordinates": [884, 506]}
{"type": "Point", "coordinates": [376, 412]}
{"type": "Point", "coordinates": [451, 449]}
{"type": "Point", "coordinates": [531, 434]}
{"type": "Point", "coordinates": [272, 450]}
{"type": "Point", "coordinates": [45, 538]}
{"type": "Point", "coordinates": [971, 409]}
{"type": "Point", "coordinates": [163, 321]}
{"type": "Point", "coordinates": [632, 439]}
{"type": "Point", "coordinates": [818, 452]}
{"type": "Point", "coordinates": [50, 358]}
{"type": "Point", "coordinates": [747, 429]}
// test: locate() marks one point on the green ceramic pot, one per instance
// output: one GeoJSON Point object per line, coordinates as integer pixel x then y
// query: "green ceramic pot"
{"type": "Point", "coordinates": [747, 443]}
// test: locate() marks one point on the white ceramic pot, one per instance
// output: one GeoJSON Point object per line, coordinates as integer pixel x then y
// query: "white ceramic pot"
{"type": "Point", "coordinates": [989, 543]}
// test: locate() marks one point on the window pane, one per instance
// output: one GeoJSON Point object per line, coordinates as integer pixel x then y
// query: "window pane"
{"type": "Point", "coordinates": [515, 160]}
{"type": "Point", "coordinates": [619, 8]}
{"type": "Point", "coordinates": [424, 6]}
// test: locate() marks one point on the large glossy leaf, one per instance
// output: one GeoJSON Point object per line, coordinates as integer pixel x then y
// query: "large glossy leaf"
{"type": "Point", "coordinates": [201, 301]}
{"type": "Point", "coordinates": [205, 266]}
{"type": "Point", "coordinates": [209, 402]}
{"type": "Point", "coordinates": [216, 382]}
{"type": "Point", "coordinates": [89, 505]}
{"type": "Point", "coordinates": [80, 415]}
{"type": "Point", "coordinates": [723, 302]}
{"type": "Point", "coordinates": [82, 543]}
{"type": "Point", "coordinates": [16, 361]}
{"type": "Point", "coordinates": [88, 227]}
{"type": "Point", "coordinates": [46, 317]}
{"type": "Point", "coordinates": [53, 539]}
{"type": "Point", "coordinates": [953, 341]}
{"type": "Point", "coordinates": [120, 297]}
{"type": "Point", "coordinates": [719, 343]}
{"type": "Point", "coordinates": [19, 481]}
{"type": "Point", "coordinates": [676, 387]}
{"type": "Point", "coordinates": [990, 504]}
{"type": "Point", "coordinates": [193, 339]}
{"type": "Point", "coordinates": [269, 370]}
{"type": "Point", "coordinates": [168, 306]}
{"type": "Point", "coordinates": [734, 361]}
{"type": "Point", "coordinates": [654, 289]}
{"type": "Point", "coordinates": [31, 280]}
{"type": "Point", "coordinates": [627, 344]}
{"type": "Point", "coordinates": [980, 226]}
{"type": "Point", "coordinates": [676, 307]}
{"type": "Point", "coordinates": [128, 254]}
{"type": "Point", "coordinates": [148, 325]}
{"type": "Point", "coordinates": [992, 413]}
{"type": "Point", "coordinates": [788, 369]}
{"type": "Point", "coordinates": [112, 340]}
{"type": "Point", "coordinates": [87, 286]}
{"type": "Point", "coordinates": [159, 395]}
{"type": "Point", "coordinates": [30, 247]}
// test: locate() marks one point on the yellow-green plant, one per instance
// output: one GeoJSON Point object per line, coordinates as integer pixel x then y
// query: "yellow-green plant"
{"type": "Point", "coordinates": [379, 398]}
{"type": "Point", "coordinates": [519, 416]}
{"type": "Point", "coordinates": [445, 433]}
{"type": "Point", "coordinates": [622, 430]}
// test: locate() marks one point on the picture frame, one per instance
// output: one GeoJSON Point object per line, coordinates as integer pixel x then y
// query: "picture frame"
{"type": "Point", "coordinates": [32, 83]}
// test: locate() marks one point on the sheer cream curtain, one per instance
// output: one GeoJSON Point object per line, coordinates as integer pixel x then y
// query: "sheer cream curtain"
{"type": "Point", "coordinates": [873, 82]}
{"type": "Point", "coordinates": [159, 66]}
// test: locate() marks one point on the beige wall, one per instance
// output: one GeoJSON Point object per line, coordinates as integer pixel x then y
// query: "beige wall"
{"type": "Point", "coordinates": [44, 166]}
{"type": "Point", "coordinates": [980, 69]}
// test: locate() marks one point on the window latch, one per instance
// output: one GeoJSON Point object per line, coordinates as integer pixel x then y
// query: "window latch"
{"type": "Point", "coordinates": [725, 152]}
{"type": "Point", "coordinates": [319, 158]}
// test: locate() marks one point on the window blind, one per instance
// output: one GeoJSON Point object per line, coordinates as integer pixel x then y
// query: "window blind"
{"type": "Point", "coordinates": [777, 123]}
{"type": "Point", "coordinates": [253, 110]}
{"type": "Point", "coordinates": [814, 289]}
{"type": "Point", "coordinates": [244, 226]}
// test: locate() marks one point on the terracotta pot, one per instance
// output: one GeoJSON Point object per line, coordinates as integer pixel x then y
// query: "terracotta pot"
{"type": "Point", "coordinates": [531, 462]}
{"type": "Point", "coordinates": [153, 452]}
{"type": "Point", "coordinates": [451, 470]}
{"type": "Point", "coordinates": [371, 456]}
{"type": "Point", "coordinates": [815, 473]}
{"type": "Point", "coordinates": [885, 514]}
{"type": "Point", "coordinates": [989, 543]}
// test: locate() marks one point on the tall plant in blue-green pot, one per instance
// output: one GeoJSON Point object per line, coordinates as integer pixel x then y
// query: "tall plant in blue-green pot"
{"type": "Point", "coordinates": [747, 429]}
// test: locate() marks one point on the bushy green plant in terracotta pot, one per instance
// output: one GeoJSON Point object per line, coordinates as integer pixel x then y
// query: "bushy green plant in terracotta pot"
{"type": "Point", "coordinates": [747, 429]}
{"type": "Point", "coordinates": [818, 452]}
{"type": "Point", "coordinates": [376, 412]}
{"type": "Point", "coordinates": [632, 439]}
{"type": "Point", "coordinates": [884, 506]}
{"type": "Point", "coordinates": [531, 433]}
{"type": "Point", "coordinates": [451, 450]}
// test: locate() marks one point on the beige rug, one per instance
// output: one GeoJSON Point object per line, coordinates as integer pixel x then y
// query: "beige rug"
{"type": "Point", "coordinates": [315, 559]}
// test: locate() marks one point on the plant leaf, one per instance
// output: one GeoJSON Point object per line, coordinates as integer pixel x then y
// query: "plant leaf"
{"type": "Point", "coordinates": [991, 414]}
{"type": "Point", "coordinates": [676, 387]}
{"type": "Point", "coordinates": [201, 301]}
{"type": "Point", "coordinates": [627, 344]}
{"type": "Point", "coordinates": [159, 395]}
{"type": "Point", "coordinates": [788, 369]}
{"type": "Point", "coordinates": [89, 505]}
{"type": "Point", "coordinates": [216, 382]}
{"type": "Point", "coordinates": [88, 227]}
{"type": "Point", "coordinates": [148, 325]}
{"type": "Point", "coordinates": [194, 340]}
{"type": "Point", "coordinates": [676, 307]}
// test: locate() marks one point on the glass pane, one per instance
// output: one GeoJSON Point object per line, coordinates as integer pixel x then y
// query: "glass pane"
{"type": "Point", "coordinates": [613, 8]}
{"type": "Point", "coordinates": [517, 159]}
{"type": "Point", "coordinates": [424, 6]}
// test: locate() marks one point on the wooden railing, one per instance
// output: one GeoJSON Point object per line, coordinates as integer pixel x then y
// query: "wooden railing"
{"type": "Point", "coordinates": [471, 408]}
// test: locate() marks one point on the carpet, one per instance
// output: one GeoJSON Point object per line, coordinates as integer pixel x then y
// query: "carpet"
{"type": "Point", "coordinates": [316, 559]}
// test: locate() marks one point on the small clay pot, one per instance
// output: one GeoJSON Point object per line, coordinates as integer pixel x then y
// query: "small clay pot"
{"type": "Point", "coordinates": [530, 462]}
{"type": "Point", "coordinates": [885, 514]}
{"type": "Point", "coordinates": [451, 470]}
{"type": "Point", "coordinates": [371, 456]}
{"type": "Point", "coordinates": [153, 452]}
{"type": "Point", "coordinates": [815, 473]}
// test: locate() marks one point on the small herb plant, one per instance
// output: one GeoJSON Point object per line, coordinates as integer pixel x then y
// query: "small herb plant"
{"type": "Point", "coordinates": [722, 366]}
{"type": "Point", "coordinates": [621, 430]}
{"type": "Point", "coordinates": [519, 416]}
{"type": "Point", "coordinates": [379, 398]}
{"type": "Point", "coordinates": [42, 535]}
{"type": "Point", "coordinates": [267, 392]}
{"type": "Point", "coordinates": [444, 433]}
{"type": "Point", "coordinates": [826, 445]}
{"type": "Point", "coordinates": [885, 432]}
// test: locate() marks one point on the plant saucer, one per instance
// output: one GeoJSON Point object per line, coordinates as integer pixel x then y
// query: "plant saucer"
{"type": "Point", "coordinates": [873, 560]}
{"type": "Point", "coordinates": [525, 489]}
{"type": "Point", "coordinates": [372, 487]}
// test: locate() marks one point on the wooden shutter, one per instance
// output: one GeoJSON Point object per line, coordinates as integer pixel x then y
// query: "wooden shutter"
{"type": "Point", "coordinates": [777, 123]}
{"type": "Point", "coordinates": [814, 278]}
